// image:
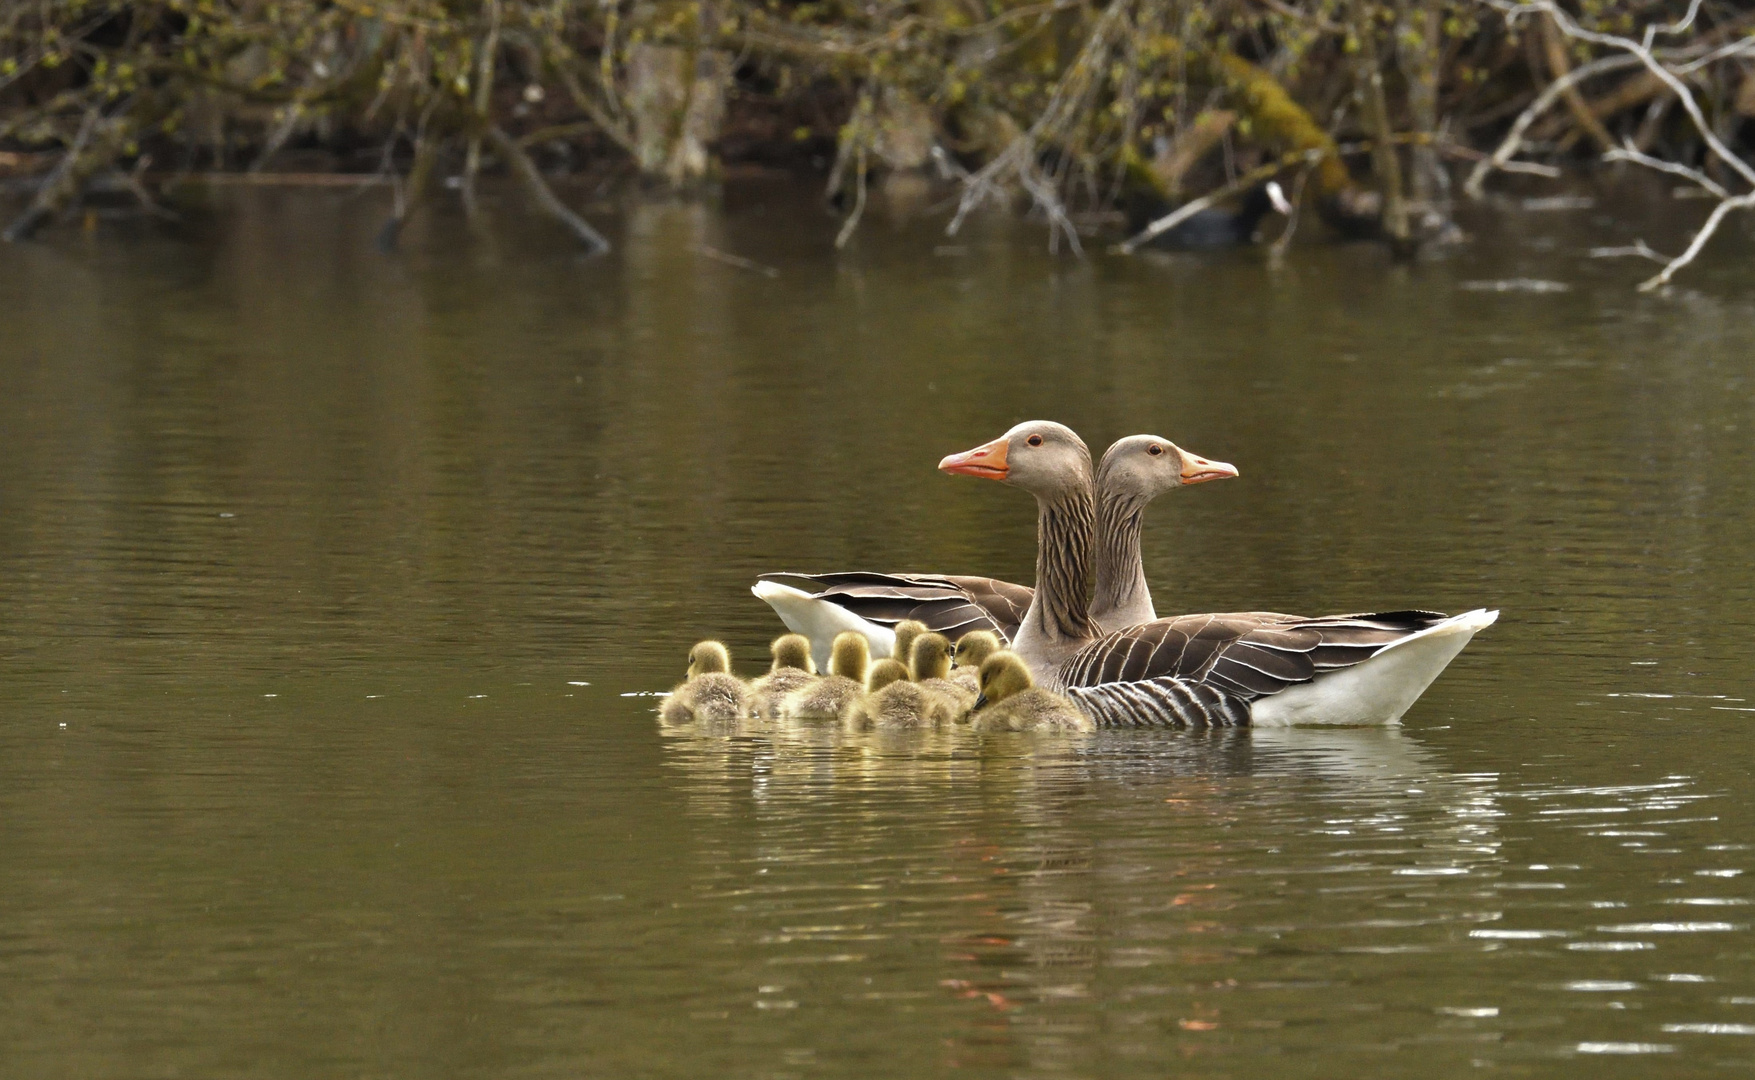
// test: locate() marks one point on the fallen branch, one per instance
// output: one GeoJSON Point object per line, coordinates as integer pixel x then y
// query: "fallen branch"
{"type": "Point", "coordinates": [1642, 52]}
{"type": "Point", "coordinates": [1513, 140]}
{"type": "Point", "coordinates": [545, 197]}
{"type": "Point", "coordinates": [98, 143]}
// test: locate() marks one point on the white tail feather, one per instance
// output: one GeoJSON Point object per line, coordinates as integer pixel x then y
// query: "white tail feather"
{"type": "Point", "coordinates": [1379, 690]}
{"type": "Point", "coordinates": [820, 621]}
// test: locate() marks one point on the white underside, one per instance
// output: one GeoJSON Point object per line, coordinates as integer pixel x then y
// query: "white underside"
{"type": "Point", "coordinates": [1382, 688]}
{"type": "Point", "coordinates": [820, 621]}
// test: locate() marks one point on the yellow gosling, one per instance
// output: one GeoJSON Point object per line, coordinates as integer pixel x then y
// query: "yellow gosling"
{"type": "Point", "coordinates": [711, 692]}
{"type": "Point", "coordinates": [793, 669]}
{"type": "Point", "coordinates": [930, 664]}
{"type": "Point", "coordinates": [849, 660]}
{"type": "Point", "coordinates": [906, 631]}
{"type": "Point", "coordinates": [973, 648]}
{"type": "Point", "coordinates": [1010, 701]}
{"type": "Point", "coordinates": [895, 704]}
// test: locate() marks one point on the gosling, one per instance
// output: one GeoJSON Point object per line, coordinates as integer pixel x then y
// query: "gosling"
{"type": "Point", "coordinates": [793, 669]}
{"type": "Point", "coordinates": [893, 703]}
{"type": "Point", "coordinates": [849, 660]}
{"type": "Point", "coordinates": [1010, 701]}
{"type": "Point", "coordinates": [712, 692]}
{"type": "Point", "coordinates": [906, 631]}
{"type": "Point", "coordinates": [930, 665]}
{"type": "Point", "coordinates": [973, 648]}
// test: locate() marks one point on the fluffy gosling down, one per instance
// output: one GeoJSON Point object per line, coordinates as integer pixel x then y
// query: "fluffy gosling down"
{"type": "Point", "coordinates": [972, 649]}
{"type": "Point", "coordinates": [1010, 701]}
{"type": "Point", "coordinates": [793, 669]}
{"type": "Point", "coordinates": [893, 703]}
{"type": "Point", "coordinates": [827, 697]}
{"type": "Point", "coordinates": [930, 665]}
{"type": "Point", "coordinates": [711, 692]}
{"type": "Point", "coordinates": [906, 631]}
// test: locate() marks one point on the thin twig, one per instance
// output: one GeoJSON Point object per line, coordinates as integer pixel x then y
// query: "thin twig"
{"type": "Point", "coordinates": [1638, 250]}
{"type": "Point", "coordinates": [852, 221]}
{"type": "Point", "coordinates": [736, 260]}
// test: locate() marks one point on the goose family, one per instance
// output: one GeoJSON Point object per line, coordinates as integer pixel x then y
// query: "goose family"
{"type": "Point", "coordinates": [1133, 472]}
{"type": "Point", "coordinates": [1006, 657]}
{"type": "Point", "coordinates": [711, 691]}
{"type": "Point", "coordinates": [1235, 668]}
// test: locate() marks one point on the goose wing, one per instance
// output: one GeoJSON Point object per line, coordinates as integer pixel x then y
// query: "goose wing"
{"type": "Point", "coordinates": [1243, 655]}
{"type": "Point", "coordinates": [951, 605]}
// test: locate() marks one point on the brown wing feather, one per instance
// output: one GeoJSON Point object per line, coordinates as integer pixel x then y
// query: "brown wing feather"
{"type": "Point", "coordinates": [1247, 653]}
{"type": "Point", "coordinates": [952, 606]}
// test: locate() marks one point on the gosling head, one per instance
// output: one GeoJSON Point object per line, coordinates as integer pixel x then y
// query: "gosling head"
{"type": "Point", "coordinates": [976, 646]}
{"type": "Point", "coordinates": [1140, 468]}
{"type": "Point", "coordinates": [885, 672]}
{"type": "Point", "coordinates": [906, 631]}
{"type": "Point", "coordinates": [850, 655]}
{"type": "Point", "coordinates": [1046, 459]}
{"type": "Point", "coordinates": [707, 657]}
{"type": "Point", "coordinates": [792, 651]}
{"type": "Point", "coordinates": [931, 658]}
{"type": "Point", "coordinates": [1003, 675]}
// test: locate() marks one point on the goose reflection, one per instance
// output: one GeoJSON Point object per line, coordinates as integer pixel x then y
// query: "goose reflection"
{"type": "Point", "coordinates": [1056, 881]}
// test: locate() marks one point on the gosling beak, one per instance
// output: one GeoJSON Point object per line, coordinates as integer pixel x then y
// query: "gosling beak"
{"type": "Point", "coordinates": [980, 703]}
{"type": "Point", "coordinates": [987, 460]}
{"type": "Point", "coordinates": [1198, 470]}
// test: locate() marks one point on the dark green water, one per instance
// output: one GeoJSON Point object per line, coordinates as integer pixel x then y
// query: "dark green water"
{"type": "Point", "coordinates": [325, 579]}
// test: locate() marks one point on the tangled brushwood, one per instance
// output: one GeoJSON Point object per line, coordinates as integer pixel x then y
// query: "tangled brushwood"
{"type": "Point", "coordinates": [1070, 107]}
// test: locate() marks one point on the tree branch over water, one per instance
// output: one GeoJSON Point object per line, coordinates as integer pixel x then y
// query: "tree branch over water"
{"type": "Point", "coordinates": [1669, 73]}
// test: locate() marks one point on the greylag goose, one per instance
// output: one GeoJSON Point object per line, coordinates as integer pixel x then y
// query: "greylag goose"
{"type": "Point", "coordinates": [894, 703]}
{"type": "Point", "coordinates": [711, 692]}
{"type": "Point", "coordinates": [973, 648]}
{"type": "Point", "coordinates": [793, 668]}
{"type": "Point", "coordinates": [1134, 471]}
{"type": "Point", "coordinates": [1010, 701]}
{"type": "Point", "coordinates": [1235, 668]}
{"type": "Point", "coordinates": [929, 664]}
{"type": "Point", "coordinates": [849, 661]}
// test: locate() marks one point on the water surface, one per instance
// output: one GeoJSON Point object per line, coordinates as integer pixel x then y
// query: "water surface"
{"type": "Point", "coordinates": [325, 578]}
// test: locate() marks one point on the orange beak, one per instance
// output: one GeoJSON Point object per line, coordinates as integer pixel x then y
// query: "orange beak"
{"type": "Point", "coordinates": [986, 460]}
{"type": "Point", "coordinates": [1198, 470]}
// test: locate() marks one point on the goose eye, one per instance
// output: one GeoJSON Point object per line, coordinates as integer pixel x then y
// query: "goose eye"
{"type": "Point", "coordinates": [1034, 440]}
{"type": "Point", "coordinates": [1154, 450]}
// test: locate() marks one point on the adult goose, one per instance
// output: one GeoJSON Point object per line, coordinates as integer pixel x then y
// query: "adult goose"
{"type": "Point", "coordinates": [1225, 669]}
{"type": "Point", "coordinates": [1134, 471]}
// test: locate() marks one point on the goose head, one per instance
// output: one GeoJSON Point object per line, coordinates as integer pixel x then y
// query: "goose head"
{"type": "Point", "coordinates": [1042, 457]}
{"type": "Point", "coordinates": [931, 658]}
{"type": "Point", "coordinates": [976, 646]}
{"type": "Point", "coordinates": [708, 657]}
{"type": "Point", "coordinates": [1139, 468]}
{"type": "Point", "coordinates": [850, 655]}
{"type": "Point", "coordinates": [792, 651]}
{"type": "Point", "coordinates": [906, 631]}
{"type": "Point", "coordinates": [1003, 675]}
{"type": "Point", "coordinates": [885, 672]}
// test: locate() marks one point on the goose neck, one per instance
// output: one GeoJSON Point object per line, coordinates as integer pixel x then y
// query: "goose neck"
{"type": "Point", "coordinates": [1122, 597]}
{"type": "Point", "coordinates": [1058, 621]}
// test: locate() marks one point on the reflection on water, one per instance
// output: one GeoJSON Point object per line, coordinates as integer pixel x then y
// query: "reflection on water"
{"type": "Point", "coordinates": [326, 580]}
